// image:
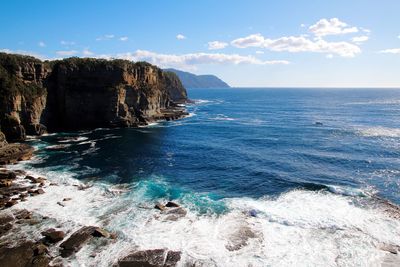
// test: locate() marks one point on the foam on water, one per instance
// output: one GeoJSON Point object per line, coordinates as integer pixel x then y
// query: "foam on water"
{"type": "Point", "coordinates": [379, 132]}
{"type": "Point", "coordinates": [299, 227]}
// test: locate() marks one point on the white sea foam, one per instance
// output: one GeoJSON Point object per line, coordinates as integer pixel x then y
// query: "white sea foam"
{"type": "Point", "coordinates": [222, 117]}
{"type": "Point", "coordinates": [301, 228]}
{"type": "Point", "coordinates": [74, 139]}
{"type": "Point", "coordinates": [379, 132]}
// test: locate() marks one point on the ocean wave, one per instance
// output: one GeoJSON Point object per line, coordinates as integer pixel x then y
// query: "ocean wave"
{"type": "Point", "coordinates": [299, 227]}
{"type": "Point", "coordinates": [377, 102]}
{"type": "Point", "coordinates": [222, 117]}
{"type": "Point", "coordinates": [379, 132]}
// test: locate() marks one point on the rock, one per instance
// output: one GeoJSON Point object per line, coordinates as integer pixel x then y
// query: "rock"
{"type": "Point", "coordinates": [75, 242]}
{"type": "Point", "coordinates": [9, 175]}
{"type": "Point", "coordinates": [159, 206]}
{"type": "Point", "coordinates": [6, 217]}
{"type": "Point", "coordinates": [99, 232]}
{"type": "Point", "coordinates": [318, 123]}
{"type": "Point", "coordinates": [23, 214]}
{"type": "Point", "coordinates": [171, 204]}
{"type": "Point", "coordinates": [67, 199]}
{"type": "Point", "coordinates": [72, 90]}
{"type": "Point", "coordinates": [12, 153]}
{"type": "Point", "coordinates": [4, 228]}
{"type": "Point", "coordinates": [173, 257]}
{"type": "Point", "coordinates": [11, 203]}
{"type": "Point", "coordinates": [39, 191]}
{"type": "Point", "coordinates": [61, 204]}
{"type": "Point", "coordinates": [41, 261]}
{"type": "Point", "coordinates": [16, 256]}
{"type": "Point", "coordinates": [5, 183]}
{"type": "Point", "coordinates": [53, 236]}
{"type": "Point", "coordinates": [177, 211]}
{"type": "Point", "coordinates": [150, 258]}
{"type": "Point", "coordinates": [40, 249]}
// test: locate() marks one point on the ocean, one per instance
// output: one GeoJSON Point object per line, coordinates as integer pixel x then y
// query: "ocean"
{"type": "Point", "coordinates": [268, 177]}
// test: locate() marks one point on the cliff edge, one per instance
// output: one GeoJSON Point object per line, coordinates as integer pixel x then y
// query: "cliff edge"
{"type": "Point", "coordinates": [83, 93]}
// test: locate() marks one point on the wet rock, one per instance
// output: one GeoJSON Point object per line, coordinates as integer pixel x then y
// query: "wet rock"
{"type": "Point", "coordinates": [12, 153]}
{"type": "Point", "coordinates": [40, 249]}
{"type": "Point", "coordinates": [53, 236]}
{"type": "Point", "coordinates": [20, 255]}
{"type": "Point", "coordinates": [173, 257]}
{"type": "Point", "coordinates": [99, 232]}
{"type": "Point", "coordinates": [4, 228]}
{"type": "Point", "coordinates": [23, 214]}
{"type": "Point", "coordinates": [11, 203]}
{"type": "Point", "coordinates": [61, 204]}
{"type": "Point", "coordinates": [41, 261]}
{"type": "Point", "coordinates": [151, 258]}
{"type": "Point", "coordinates": [240, 238]}
{"type": "Point", "coordinates": [159, 206]}
{"type": "Point", "coordinates": [6, 174]}
{"type": "Point", "coordinates": [67, 199]}
{"type": "Point", "coordinates": [171, 204]}
{"type": "Point", "coordinates": [39, 191]}
{"type": "Point", "coordinates": [5, 183]}
{"type": "Point", "coordinates": [6, 217]}
{"type": "Point", "coordinates": [75, 242]}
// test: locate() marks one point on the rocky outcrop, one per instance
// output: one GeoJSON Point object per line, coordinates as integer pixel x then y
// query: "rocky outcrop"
{"type": "Point", "coordinates": [76, 93]}
{"type": "Point", "coordinates": [151, 258]}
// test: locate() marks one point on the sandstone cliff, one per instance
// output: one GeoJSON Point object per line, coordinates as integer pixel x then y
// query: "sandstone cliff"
{"type": "Point", "coordinates": [83, 93]}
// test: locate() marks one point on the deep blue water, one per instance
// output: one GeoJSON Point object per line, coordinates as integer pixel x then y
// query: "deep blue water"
{"type": "Point", "coordinates": [250, 143]}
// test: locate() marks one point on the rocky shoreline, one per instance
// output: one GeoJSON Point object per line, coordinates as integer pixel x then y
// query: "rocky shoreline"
{"type": "Point", "coordinates": [19, 246]}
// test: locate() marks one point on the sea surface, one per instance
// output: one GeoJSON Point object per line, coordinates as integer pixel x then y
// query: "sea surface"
{"type": "Point", "coordinates": [269, 177]}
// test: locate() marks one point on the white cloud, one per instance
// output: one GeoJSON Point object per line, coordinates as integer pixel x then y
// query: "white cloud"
{"type": "Point", "coordinates": [87, 52]}
{"type": "Point", "coordinates": [41, 44]}
{"type": "Point", "coordinates": [180, 37]}
{"type": "Point", "coordinates": [331, 27]}
{"type": "Point", "coordinates": [398, 36]}
{"type": "Point", "coordinates": [67, 43]}
{"type": "Point", "coordinates": [302, 25]}
{"type": "Point", "coordinates": [123, 38]}
{"type": "Point", "coordinates": [105, 37]}
{"type": "Point", "coordinates": [259, 52]}
{"type": "Point", "coordinates": [360, 39]}
{"type": "Point", "coordinates": [391, 51]}
{"type": "Point", "coordinates": [66, 52]}
{"type": "Point", "coordinates": [189, 60]}
{"type": "Point", "coordinates": [216, 45]}
{"type": "Point", "coordinates": [329, 56]}
{"type": "Point", "coordinates": [365, 30]}
{"type": "Point", "coordinates": [298, 44]}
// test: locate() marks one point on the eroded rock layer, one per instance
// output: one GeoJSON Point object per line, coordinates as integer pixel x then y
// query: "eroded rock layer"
{"type": "Point", "coordinates": [83, 93]}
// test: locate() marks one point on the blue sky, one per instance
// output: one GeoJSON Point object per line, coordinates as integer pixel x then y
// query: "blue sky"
{"type": "Point", "coordinates": [247, 43]}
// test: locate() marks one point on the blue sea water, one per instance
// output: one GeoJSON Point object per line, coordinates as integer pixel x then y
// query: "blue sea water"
{"type": "Point", "coordinates": [303, 162]}
{"type": "Point", "coordinates": [252, 143]}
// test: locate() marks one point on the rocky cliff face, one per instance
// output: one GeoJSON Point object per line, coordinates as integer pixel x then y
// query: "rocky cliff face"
{"type": "Point", "coordinates": [80, 93]}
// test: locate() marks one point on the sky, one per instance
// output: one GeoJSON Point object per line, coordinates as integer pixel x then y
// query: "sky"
{"type": "Point", "coordinates": [252, 43]}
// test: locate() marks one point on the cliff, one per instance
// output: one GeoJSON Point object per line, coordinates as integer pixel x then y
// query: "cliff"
{"type": "Point", "coordinates": [83, 93]}
{"type": "Point", "coordinates": [190, 80]}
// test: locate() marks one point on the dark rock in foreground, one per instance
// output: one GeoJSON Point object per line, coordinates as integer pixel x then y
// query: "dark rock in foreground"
{"type": "Point", "coordinates": [11, 153]}
{"type": "Point", "coordinates": [75, 242]}
{"type": "Point", "coordinates": [151, 258]}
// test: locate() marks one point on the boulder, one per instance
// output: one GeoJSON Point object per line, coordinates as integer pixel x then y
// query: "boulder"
{"type": "Point", "coordinates": [171, 204]}
{"type": "Point", "coordinates": [151, 258]}
{"type": "Point", "coordinates": [75, 242]}
{"type": "Point", "coordinates": [159, 206]}
{"type": "Point", "coordinates": [16, 256]}
{"type": "Point", "coordinates": [12, 153]}
{"type": "Point", "coordinates": [53, 236]}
